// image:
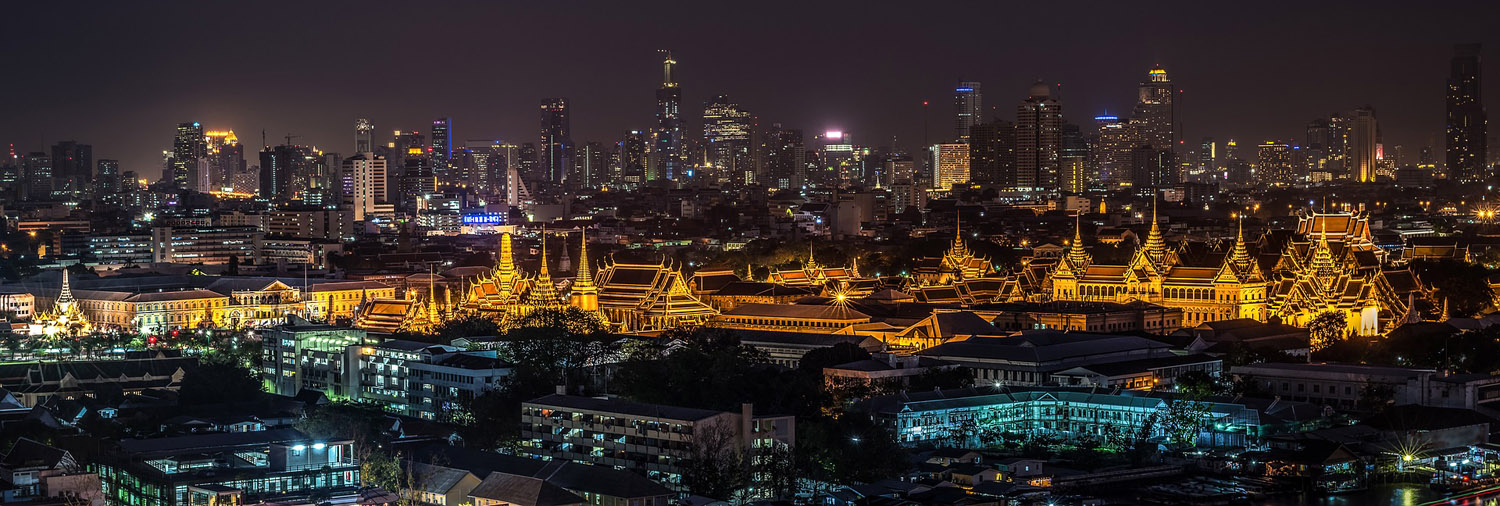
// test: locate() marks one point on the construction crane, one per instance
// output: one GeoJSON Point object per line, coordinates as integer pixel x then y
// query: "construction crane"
{"type": "Point", "coordinates": [289, 138]}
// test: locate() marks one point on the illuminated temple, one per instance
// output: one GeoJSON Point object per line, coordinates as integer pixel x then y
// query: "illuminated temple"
{"type": "Point", "coordinates": [505, 294]}
{"type": "Point", "coordinates": [66, 318]}
{"type": "Point", "coordinates": [1339, 269]}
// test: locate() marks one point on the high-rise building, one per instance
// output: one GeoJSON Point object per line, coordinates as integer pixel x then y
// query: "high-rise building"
{"type": "Point", "coordinates": [364, 184]}
{"type": "Point", "coordinates": [364, 136]}
{"type": "Point", "coordinates": [1364, 142]}
{"type": "Point", "coordinates": [1208, 155]}
{"type": "Point", "coordinates": [442, 146]}
{"type": "Point", "coordinates": [634, 158]}
{"type": "Point", "coordinates": [950, 162]}
{"type": "Point", "coordinates": [225, 164]}
{"type": "Point", "coordinates": [968, 107]}
{"type": "Point", "coordinates": [992, 153]}
{"type": "Point", "coordinates": [1153, 111]}
{"type": "Point", "coordinates": [1112, 150]}
{"type": "Point", "coordinates": [786, 158]}
{"type": "Point", "coordinates": [557, 141]}
{"type": "Point", "coordinates": [107, 177]}
{"type": "Point", "coordinates": [726, 135]}
{"type": "Point", "coordinates": [72, 168]}
{"type": "Point", "coordinates": [286, 170]}
{"type": "Point", "coordinates": [1275, 165]}
{"type": "Point", "coordinates": [1038, 139]}
{"type": "Point", "coordinates": [1074, 166]}
{"type": "Point", "coordinates": [37, 173]}
{"type": "Point", "coordinates": [1466, 128]}
{"type": "Point", "coordinates": [188, 147]}
{"type": "Point", "coordinates": [666, 145]}
{"type": "Point", "coordinates": [1152, 168]}
{"type": "Point", "coordinates": [592, 166]}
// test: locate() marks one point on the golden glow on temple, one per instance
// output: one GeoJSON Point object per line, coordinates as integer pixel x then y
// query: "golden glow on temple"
{"type": "Point", "coordinates": [66, 319]}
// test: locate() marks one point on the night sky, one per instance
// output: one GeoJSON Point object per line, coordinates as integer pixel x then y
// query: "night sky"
{"type": "Point", "coordinates": [120, 75]}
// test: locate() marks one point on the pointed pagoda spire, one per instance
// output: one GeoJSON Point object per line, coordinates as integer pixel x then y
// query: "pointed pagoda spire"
{"type": "Point", "coordinates": [1240, 256]}
{"type": "Point", "coordinates": [1322, 263]}
{"type": "Point", "coordinates": [66, 295]}
{"type": "Point", "coordinates": [507, 266]}
{"type": "Point", "coordinates": [543, 293]}
{"type": "Point", "coordinates": [1077, 257]}
{"type": "Point", "coordinates": [1156, 247]}
{"type": "Point", "coordinates": [585, 278]}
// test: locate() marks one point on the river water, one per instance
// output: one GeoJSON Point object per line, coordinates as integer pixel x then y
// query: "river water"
{"type": "Point", "coordinates": [1385, 494]}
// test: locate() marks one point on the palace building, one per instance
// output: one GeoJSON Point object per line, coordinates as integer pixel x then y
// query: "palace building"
{"type": "Point", "coordinates": [66, 319]}
{"type": "Point", "coordinates": [957, 265]}
{"type": "Point", "coordinates": [1338, 269]}
{"type": "Point", "coordinates": [1234, 289]}
{"type": "Point", "coordinates": [1331, 264]}
{"type": "Point", "coordinates": [646, 297]}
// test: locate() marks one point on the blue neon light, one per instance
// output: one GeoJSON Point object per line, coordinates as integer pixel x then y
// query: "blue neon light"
{"type": "Point", "coordinates": [964, 90]}
{"type": "Point", "coordinates": [1106, 118]}
{"type": "Point", "coordinates": [484, 219]}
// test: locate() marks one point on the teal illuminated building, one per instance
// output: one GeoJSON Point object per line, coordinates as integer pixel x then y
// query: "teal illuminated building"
{"type": "Point", "coordinates": [171, 471]}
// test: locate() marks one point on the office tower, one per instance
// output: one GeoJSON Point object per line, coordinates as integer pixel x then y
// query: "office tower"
{"type": "Point", "coordinates": [592, 166]}
{"type": "Point", "coordinates": [225, 162]}
{"type": "Point", "coordinates": [442, 146]}
{"type": "Point", "coordinates": [1466, 127]}
{"type": "Point", "coordinates": [188, 146]}
{"type": "Point", "coordinates": [634, 158]}
{"type": "Point", "coordinates": [1364, 139]}
{"type": "Point", "coordinates": [786, 158]}
{"type": "Point", "coordinates": [1038, 139]}
{"type": "Point", "coordinates": [107, 177]}
{"type": "Point", "coordinates": [950, 162]}
{"type": "Point", "coordinates": [72, 168]}
{"type": "Point", "coordinates": [414, 184]}
{"type": "Point", "coordinates": [557, 142]}
{"type": "Point", "coordinates": [992, 153]}
{"type": "Point", "coordinates": [405, 144]}
{"type": "Point", "coordinates": [37, 173]}
{"type": "Point", "coordinates": [1073, 160]}
{"type": "Point", "coordinates": [900, 167]}
{"type": "Point", "coordinates": [1152, 168]}
{"type": "Point", "coordinates": [968, 108]}
{"type": "Point", "coordinates": [1113, 149]}
{"type": "Point", "coordinates": [667, 158]}
{"type": "Point", "coordinates": [1153, 111]}
{"type": "Point", "coordinates": [482, 164]}
{"type": "Point", "coordinates": [286, 171]}
{"type": "Point", "coordinates": [363, 184]}
{"type": "Point", "coordinates": [726, 135]}
{"type": "Point", "coordinates": [1208, 155]}
{"type": "Point", "coordinates": [1275, 163]}
{"type": "Point", "coordinates": [364, 136]}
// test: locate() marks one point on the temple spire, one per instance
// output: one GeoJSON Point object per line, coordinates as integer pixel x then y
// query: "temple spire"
{"type": "Point", "coordinates": [507, 265]}
{"type": "Point", "coordinates": [584, 278]}
{"type": "Point", "coordinates": [66, 295]}
{"type": "Point", "coordinates": [1156, 247]}
{"type": "Point", "coordinates": [1077, 258]}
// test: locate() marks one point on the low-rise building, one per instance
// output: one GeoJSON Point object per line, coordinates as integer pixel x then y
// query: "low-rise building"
{"type": "Point", "coordinates": [242, 467]}
{"type": "Point", "coordinates": [1359, 386]}
{"type": "Point", "coordinates": [651, 439]}
{"type": "Point", "coordinates": [1031, 357]}
{"type": "Point", "coordinates": [307, 356]}
{"type": "Point", "coordinates": [33, 383]}
{"type": "Point", "coordinates": [1083, 316]}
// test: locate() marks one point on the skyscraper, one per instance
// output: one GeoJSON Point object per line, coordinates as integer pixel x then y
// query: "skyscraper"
{"type": "Point", "coordinates": [107, 177]}
{"type": "Point", "coordinates": [364, 136]}
{"type": "Point", "coordinates": [1038, 139]}
{"type": "Point", "coordinates": [666, 146]}
{"type": "Point", "coordinates": [1153, 111]}
{"type": "Point", "coordinates": [992, 153]}
{"type": "Point", "coordinates": [786, 158]}
{"type": "Point", "coordinates": [1364, 141]}
{"type": "Point", "coordinates": [968, 106]}
{"type": "Point", "coordinates": [363, 178]}
{"type": "Point", "coordinates": [634, 149]}
{"type": "Point", "coordinates": [726, 136]}
{"type": "Point", "coordinates": [442, 146]}
{"type": "Point", "coordinates": [591, 167]}
{"type": "Point", "coordinates": [950, 162]}
{"type": "Point", "coordinates": [225, 164]}
{"type": "Point", "coordinates": [188, 146]}
{"type": "Point", "coordinates": [1112, 152]}
{"type": "Point", "coordinates": [1275, 163]}
{"type": "Point", "coordinates": [72, 168]}
{"type": "Point", "coordinates": [1073, 160]}
{"type": "Point", "coordinates": [557, 141]}
{"type": "Point", "coordinates": [1466, 127]}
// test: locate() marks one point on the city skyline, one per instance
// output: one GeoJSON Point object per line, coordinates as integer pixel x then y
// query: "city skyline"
{"type": "Point", "coordinates": [609, 80]}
